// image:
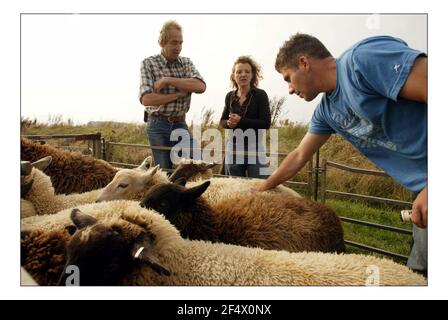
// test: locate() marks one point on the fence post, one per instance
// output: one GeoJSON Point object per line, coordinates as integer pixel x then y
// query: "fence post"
{"type": "Point", "coordinates": [324, 181]}
{"type": "Point", "coordinates": [103, 149]}
{"type": "Point", "coordinates": [97, 145]}
{"type": "Point", "coordinates": [316, 180]}
{"type": "Point", "coordinates": [310, 179]}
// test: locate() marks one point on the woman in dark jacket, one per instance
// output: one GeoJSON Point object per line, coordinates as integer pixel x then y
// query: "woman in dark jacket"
{"type": "Point", "coordinates": [246, 108]}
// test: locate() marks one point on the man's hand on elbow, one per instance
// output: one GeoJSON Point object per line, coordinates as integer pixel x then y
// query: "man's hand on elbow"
{"type": "Point", "coordinates": [161, 83]}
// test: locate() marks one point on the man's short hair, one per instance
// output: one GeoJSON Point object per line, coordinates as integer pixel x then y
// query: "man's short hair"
{"type": "Point", "coordinates": [171, 24]}
{"type": "Point", "coordinates": [299, 44]}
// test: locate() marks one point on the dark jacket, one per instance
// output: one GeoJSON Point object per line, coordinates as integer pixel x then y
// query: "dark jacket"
{"type": "Point", "coordinates": [255, 113]}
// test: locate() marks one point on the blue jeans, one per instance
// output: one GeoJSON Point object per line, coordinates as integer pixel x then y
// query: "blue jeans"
{"type": "Point", "coordinates": [418, 259]}
{"type": "Point", "coordinates": [246, 165]}
{"type": "Point", "coordinates": [159, 133]}
{"type": "Point", "coordinates": [240, 170]}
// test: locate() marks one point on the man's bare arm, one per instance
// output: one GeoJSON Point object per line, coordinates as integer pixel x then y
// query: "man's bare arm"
{"type": "Point", "coordinates": [157, 99]}
{"type": "Point", "coordinates": [295, 161]}
{"type": "Point", "coordinates": [416, 86]}
{"type": "Point", "coordinates": [186, 85]}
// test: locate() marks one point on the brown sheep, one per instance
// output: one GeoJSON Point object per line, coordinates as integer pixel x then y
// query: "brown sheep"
{"type": "Point", "coordinates": [70, 172]}
{"type": "Point", "coordinates": [264, 220]}
{"type": "Point", "coordinates": [43, 254]}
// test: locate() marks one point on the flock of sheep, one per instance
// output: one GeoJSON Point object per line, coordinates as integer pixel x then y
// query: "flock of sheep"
{"type": "Point", "coordinates": [141, 227]}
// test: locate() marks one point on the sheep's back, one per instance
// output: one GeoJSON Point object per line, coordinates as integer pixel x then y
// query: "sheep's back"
{"type": "Point", "coordinates": [271, 221]}
{"type": "Point", "coordinates": [70, 172]}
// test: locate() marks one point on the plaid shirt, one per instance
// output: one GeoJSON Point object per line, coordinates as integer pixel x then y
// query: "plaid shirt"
{"type": "Point", "coordinates": [156, 67]}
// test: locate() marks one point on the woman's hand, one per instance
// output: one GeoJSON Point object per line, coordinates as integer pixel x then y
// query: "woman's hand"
{"type": "Point", "coordinates": [233, 120]}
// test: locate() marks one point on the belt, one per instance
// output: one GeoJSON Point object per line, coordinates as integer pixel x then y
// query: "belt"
{"type": "Point", "coordinates": [170, 119]}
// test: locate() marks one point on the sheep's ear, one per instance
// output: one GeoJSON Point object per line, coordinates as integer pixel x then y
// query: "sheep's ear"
{"type": "Point", "coordinates": [81, 220]}
{"type": "Point", "coordinates": [196, 192]}
{"type": "Point", "coordinates": [211, 165]}
{"type": "Point", "coordinates": [43, 163]}
{"type": "Point", "coordinates": [181, 181]}
{"type": "Point", "coordinates": [149, 174]}
{"type": "Point", "coordinates": [25, 168]}
{"type": "Point", "coordinates": [146, 164]}
{"type": "Point", "coordinates": [184, 161]}
{"type": "Point", "coordinates": [142, 250]}
{"type": "Point", "coordinates": [71, 229]}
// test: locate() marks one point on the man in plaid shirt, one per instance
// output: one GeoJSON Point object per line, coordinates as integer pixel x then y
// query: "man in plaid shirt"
{"type": "Point", "coordinates": [166, 83]}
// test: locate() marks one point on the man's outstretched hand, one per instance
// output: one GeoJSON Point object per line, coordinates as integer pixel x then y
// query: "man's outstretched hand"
{"type": "Point", "coordinates": [420, 209]}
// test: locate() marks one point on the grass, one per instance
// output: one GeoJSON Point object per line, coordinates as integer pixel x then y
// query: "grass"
{"type": "Point", "coordinates": [383, 239]}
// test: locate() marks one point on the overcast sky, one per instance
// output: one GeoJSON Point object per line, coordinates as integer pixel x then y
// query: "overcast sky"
{"type": "Point", "coordinates": [87, 67]}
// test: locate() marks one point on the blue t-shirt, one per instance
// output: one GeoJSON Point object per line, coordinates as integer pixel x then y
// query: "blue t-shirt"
{"type": "Point", "coordinates": [365, 109]}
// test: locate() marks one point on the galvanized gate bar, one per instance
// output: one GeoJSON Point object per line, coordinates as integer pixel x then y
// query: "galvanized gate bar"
{"type": "Point", "coordinates": [357, 170]}
{"type": "Point", "coordinates": [370, 198]}
{"type": "Point", "coordinates": [376, 250]}
{"type": "Point", "coordinates": [375, 225]}
{"type": "Point", "coordinates": [86, 136]}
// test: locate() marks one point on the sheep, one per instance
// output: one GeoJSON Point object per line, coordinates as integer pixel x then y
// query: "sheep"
{"type": "Point", "coordinates": [221, 189]}
{"type": "Point", "coordinates": [192, 170]}
{"type": "Point", "coordinates": [44, 200]}
{"type": "Point", "coordinates": [27, 208]}
{"type": "Point", "coordinates": [264, 220]}
{"type": "Point", "coordinates": [70, 172]}
{"type": "Point", "coordinates": [120, 243]}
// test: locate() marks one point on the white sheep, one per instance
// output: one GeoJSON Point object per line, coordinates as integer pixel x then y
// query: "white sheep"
{"type": "Point", "coordinates": [120, 243]}
{"type": "Point", "coordinates": [221, 189]}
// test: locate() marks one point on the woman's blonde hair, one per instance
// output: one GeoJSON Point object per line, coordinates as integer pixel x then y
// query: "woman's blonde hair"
{"type": "Point", "coordinates": [171, 24]}
{"type": "Point", "coordinates": [256, 71]}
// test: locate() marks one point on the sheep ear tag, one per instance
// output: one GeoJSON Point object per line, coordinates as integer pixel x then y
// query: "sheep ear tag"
{"type": "Point", "coordinates": [142, 252]}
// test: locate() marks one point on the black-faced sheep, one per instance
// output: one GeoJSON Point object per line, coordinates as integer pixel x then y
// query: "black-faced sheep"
{"type": "Point", "coordinates": [264, 220]}
{"type": "Point", "coordinates": [153, 253]}
{"type": "Point", "coordinates": [70, 172]}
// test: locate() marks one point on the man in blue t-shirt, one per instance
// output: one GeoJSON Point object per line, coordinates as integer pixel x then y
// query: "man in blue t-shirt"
{"type": "Point", "coordinates": [375, 96]}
